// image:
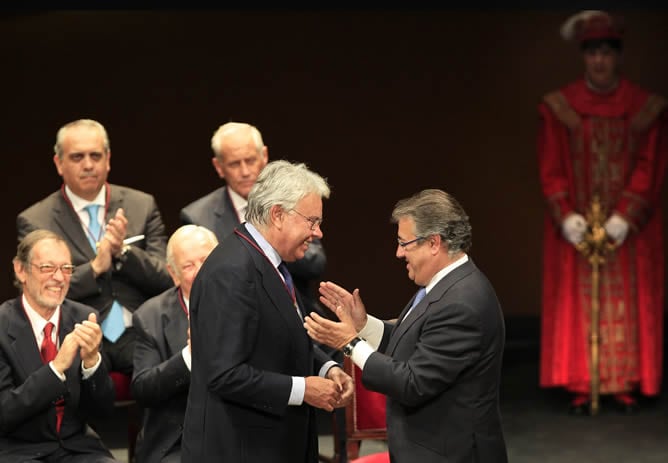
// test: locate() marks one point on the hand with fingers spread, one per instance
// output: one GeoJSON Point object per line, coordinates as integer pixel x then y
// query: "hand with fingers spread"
{"type": "Point", "coordinates": [334, 296]}
{"type": "Point", "coordinates": [328, 332]}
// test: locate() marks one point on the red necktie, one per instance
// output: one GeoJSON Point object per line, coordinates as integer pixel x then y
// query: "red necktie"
{"type": "Point", "coordinates": [48, 352]}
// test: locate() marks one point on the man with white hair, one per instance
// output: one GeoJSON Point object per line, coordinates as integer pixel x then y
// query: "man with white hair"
{"type": "Point", "coordinates": [162, 357]}
{"type": "Point", "coordinates": [257, 378]}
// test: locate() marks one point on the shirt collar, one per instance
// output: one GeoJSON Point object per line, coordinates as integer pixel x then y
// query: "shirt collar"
{"type": "Point", "coordinates": [444, 271]}
{"type": "Point", "coordinates": [78, 203]}
{"type": "Point", "coordinates": [36, 321]}
{"type": "Point", "coordinates": [238, 201]}
{"type": "Point", "coordinates": [270, 252]}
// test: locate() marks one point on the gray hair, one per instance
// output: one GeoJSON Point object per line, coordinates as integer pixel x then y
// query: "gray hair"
{"type": "Point", "coordinates": [182, 232]}
{"type": "Point", "coordinates": [435, 212]}
{"type": "Point", "coordinates": [284, 184]}
{"type": "Point", "coordinates": [27, 244]}
{"type": "Point", "coordinates": [90, 123]}
{"type": "Point", "coordinates": [230, 127]}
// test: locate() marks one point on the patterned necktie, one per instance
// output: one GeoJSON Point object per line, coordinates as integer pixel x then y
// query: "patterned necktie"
{"type": "Point", "coordinates": [290, 285]}
{"type": "Point", "coordinates": [93, 225]}
{"type": "Point", "coordinates": [288, 281]}
{"type": "Point", "coordinates": [113, 325]}
{"type": "Point", "coordinates": [48, 352]}
{"type": "Point", "coordinates": [422, 292]}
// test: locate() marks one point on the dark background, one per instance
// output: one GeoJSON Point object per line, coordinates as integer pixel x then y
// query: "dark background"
{"type": "Point", "coordinates": [381, 102]}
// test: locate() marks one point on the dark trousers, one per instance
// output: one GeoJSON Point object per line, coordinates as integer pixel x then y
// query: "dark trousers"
{"type": "Point", "coordinates": [117, 356]}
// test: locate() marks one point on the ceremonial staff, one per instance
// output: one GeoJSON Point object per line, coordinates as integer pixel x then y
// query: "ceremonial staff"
{"type": "Point", "coordinates": [595, 246]}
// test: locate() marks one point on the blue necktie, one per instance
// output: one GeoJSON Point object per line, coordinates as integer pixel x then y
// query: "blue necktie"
{"type": "Point", "coordinates": [93, 225]}
{"type": "Point", "coordinates": [112, 326]}
{"type": "Point", "coordinates": [422, 292]}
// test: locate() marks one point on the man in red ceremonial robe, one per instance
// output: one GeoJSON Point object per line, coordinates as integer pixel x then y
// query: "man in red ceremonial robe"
{"type": "Point", "coordinates": [602, 135]}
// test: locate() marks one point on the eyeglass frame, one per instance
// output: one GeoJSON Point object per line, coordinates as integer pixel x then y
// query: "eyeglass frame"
{"type": "Point", "coordinates": [65, 269]}
{"type": "Point", "coordinates": [403, 244]}
{"type": "Point", "coordinates": [314, 221]}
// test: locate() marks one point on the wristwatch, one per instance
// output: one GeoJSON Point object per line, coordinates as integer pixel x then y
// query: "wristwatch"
{"type": "Point", "coordinates": [348, 348]}
{"type": "Point", "coordinates": [120, 260]}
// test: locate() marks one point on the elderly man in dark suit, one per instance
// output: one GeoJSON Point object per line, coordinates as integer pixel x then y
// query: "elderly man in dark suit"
{"type": "Point", "coordinates": [51, 373]}
{"type": "Point", "coordinates": [162, 360]}
{"type": "Point", "coordinates": [257, 378]}
{"type": "Point", "coordinates": [440, 363]}
{"type": "Point", "coordinates": [113, 275]}
{"type": "Point", "coordinates": [239, 156]}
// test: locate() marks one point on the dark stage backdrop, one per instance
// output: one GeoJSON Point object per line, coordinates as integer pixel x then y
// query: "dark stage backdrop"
{"type": "Point", "coordinates": [382, 103]}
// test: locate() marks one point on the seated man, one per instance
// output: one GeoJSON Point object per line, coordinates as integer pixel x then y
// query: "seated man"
{"type": "Point", "coordinates": [51, 373]}
{"type": "Point", "coordinates": [239, 156]}
{"type": "Point", "coordinates": [96, 219]}
{"type": "Point", "coordinates": [161, 375]}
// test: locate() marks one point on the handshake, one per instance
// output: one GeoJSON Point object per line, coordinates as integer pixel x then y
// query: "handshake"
{"type": "Point", "coordinates": [573, 228]}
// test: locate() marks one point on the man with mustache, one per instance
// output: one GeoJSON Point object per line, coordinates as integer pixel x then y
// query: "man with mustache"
{"type": "Point", "coordinates": [95, 217]}
{"type": "Point", "coordinates": [52, 378]}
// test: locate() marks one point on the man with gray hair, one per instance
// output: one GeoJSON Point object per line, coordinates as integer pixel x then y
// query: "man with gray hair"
{"type": "Point", "coordinates": [96, 219]}
{"type": "Point", "coordinates": [256, 376]}
{"type": "Point", "coordinates": [440, 363]}
{"type": "Point", "coordinates": [162, 359]}
{"type": "Point", "coordinates": [239, 156]}
{"type": "Point", "coordinates": [52, 378]}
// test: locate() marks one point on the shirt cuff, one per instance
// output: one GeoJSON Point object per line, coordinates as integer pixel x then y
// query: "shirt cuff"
{"type": "Point", "coordinates": [372, 332]}
{"type": "Point", "coordinates": [326, 366]}
{"type": "Point", "coordinates": [88, 372]}
{"type": "Point", "coordinates": [187, 357]}
{"type": "Point", "coordinates": [361, 353]}
{"type": "Point", "coordinates": [297, 392]}
{"type": "Point", "coordinates": [57, 373]}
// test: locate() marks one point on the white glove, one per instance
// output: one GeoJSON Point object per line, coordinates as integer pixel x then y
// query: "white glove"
{"type": "Point", "coordinates": [617, 228]}
{"type": "Point", "coordinates": [573, 228]}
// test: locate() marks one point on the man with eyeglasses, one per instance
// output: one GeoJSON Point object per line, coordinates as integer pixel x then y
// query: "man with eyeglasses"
{"type": "Point", "coordinates": [97, 219]}
{"type": "Point", "coordinates": [256, 377]}
{"type": "Point", "coordinates": [439, 364]}
{"type": "Point", "coordinates": [52, 377]}
{"type": "Point", "coordinates": [239, 156]}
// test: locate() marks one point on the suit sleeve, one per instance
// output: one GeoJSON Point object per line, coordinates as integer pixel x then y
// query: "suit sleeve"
{"type": "Point", "coordinates": [449, 343]}
{"type": "Point", "coordinates": [155, 379]}
{"type": "Point", "coordinates": [552, 144]}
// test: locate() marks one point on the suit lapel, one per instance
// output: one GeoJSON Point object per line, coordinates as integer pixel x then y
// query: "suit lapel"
{"type": "Point", "coordinates": [23, 341]}
{"type": "Point", "coordinates": [176, 327]}
{"type": "Point", "coordinates": [435, 295]}
{"type": "Point", "coordinates": [116, 200]}
{"type": "Point", "coordinates": [70, 226]}
{"type": "Point", "coordinates": [226, 215]}
{"type": "Point", "coordinates": [273, 284]}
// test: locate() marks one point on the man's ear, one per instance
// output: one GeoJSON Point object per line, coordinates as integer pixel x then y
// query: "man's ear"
{"type": "Point", "coordinates": [217, 165]}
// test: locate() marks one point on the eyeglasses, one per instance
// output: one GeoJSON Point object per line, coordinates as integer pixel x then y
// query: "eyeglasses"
{"type": "Point", "coordinates": [314, 221]}
{"type": "Point", "coordinates": [403, 244]}
{"type": "Point", "coordinates": [50, 269]}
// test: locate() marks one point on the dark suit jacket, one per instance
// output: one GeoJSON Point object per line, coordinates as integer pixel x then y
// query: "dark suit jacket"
{"type": "Point", "coordinates": [441, 371]}
{"type": "Point", "coordinates": [142, 275]}
{"type": "Point", "coordinates": [160, 378]}
{"type": "Point", "coordinates": [216, 212]}
{"type": "Point", "coordinates": [29, 388]}
{"type": "Point", "coordinates": [247, 342]}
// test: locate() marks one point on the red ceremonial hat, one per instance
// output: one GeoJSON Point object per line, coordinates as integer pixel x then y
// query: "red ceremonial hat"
{"type": "Point", "coordinates": [592, 25]}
